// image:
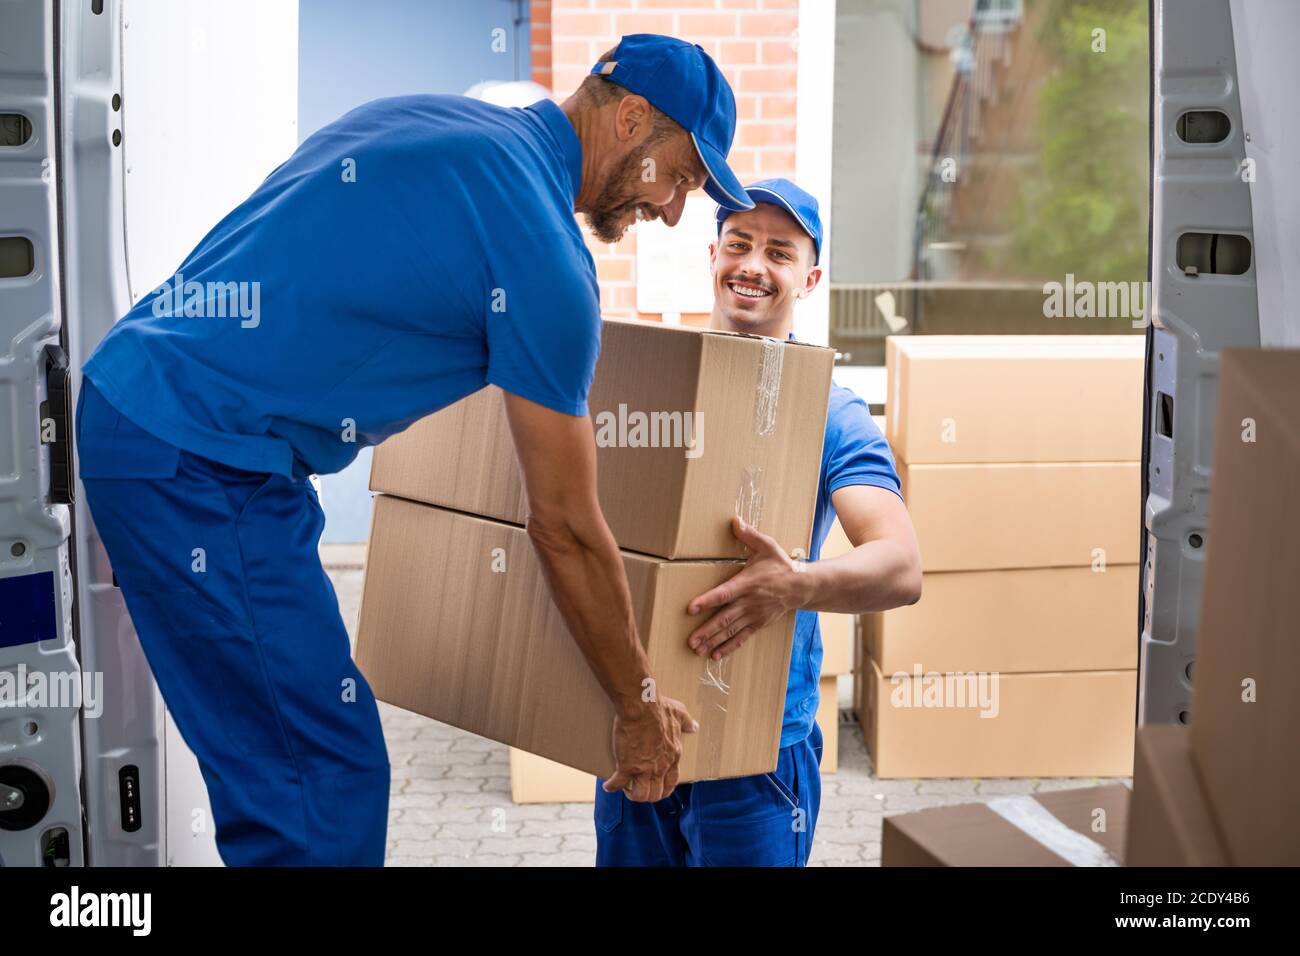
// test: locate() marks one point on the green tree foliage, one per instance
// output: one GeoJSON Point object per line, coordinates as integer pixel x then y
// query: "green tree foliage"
{"type": "Point", "coordinates": [1084, 210]}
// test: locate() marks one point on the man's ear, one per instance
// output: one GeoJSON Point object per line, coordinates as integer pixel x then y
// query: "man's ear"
{"type": "Point", "coordinates": [713, 257]}
{"type": "Point", "coordinates": [814, 276]}
{"type": "Point", "coordinates": [633, 119]}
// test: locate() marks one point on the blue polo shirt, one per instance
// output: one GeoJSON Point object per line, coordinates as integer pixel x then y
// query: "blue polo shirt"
{"type": "Point", "coordinates": [403, 257]}
{"type": "Point", "coordinates": [854, 452]}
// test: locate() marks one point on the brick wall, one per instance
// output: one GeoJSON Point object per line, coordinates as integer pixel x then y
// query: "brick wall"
{"type": "Point", "coordinates": [539, 17]}
{"type": "Point", "coordinates": [753, 41]}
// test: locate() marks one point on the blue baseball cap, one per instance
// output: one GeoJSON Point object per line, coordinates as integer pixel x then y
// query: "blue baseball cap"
{"type": "Point", "coordinates": [682, 80]}
{"type": "Point", "coordinates": [783, 193]}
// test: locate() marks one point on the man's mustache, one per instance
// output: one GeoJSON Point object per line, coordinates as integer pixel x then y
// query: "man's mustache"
{"type": "Point", "coordinates": [757, 283]}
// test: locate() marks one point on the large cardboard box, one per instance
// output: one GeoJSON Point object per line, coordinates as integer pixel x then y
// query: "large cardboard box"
{"type": "Point", "coordinates": [1011, 398]}
{"type": "Point", "coordinates": [828, 719]}
{"type": "Point", "coordinates": [1024, 515]}
{"type": "Point", "coordinates": [457, 624]}
{"type": "Point", "coordinates": [837, 542]}
{"type": "Point", "coordinates": [1016, 621]}
{"type": "Point", "coordinates": [753, 410]}
{"type": "Point", "coordinates": [535, 779]}
{"type": "Point", "coordinates": [1170, 823]}
{"type": "Point", "coordinates": [1083, 827]}
{"type": "Point", "coordinates": [838, 631]}
{"type": "Point", "coordinates": [1245, 705]}
{"type": "Point", "coordinates": [1065, 724]}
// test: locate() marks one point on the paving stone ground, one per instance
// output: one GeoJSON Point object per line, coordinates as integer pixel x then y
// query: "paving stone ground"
{"type": "Point", "coordinates": [450, 803]}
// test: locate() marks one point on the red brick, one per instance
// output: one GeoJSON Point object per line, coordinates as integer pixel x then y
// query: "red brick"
{"type": "Point", "coordinates": [571, 53]}
{"type": "Point", "coordinates": [744, 163]}
{"type": "Point", "coordinates": [713, 48]}
{"type": "Point", "coordinates": [624, 247]}
{"type": "Point", "coordinates": [777, 106]}
{"type": "Point", "coordinates": [618, 299]}
{"type": "Point", "coordinates": [768, 80]}
{"type": "Point", "coordinates": [776, 162]}
{"type": "Point", "coordinates": [570, 25]}
{"type": "Point", "coordinates": [746, 107]}
{"type": "Point", "coordinates": [780, 4]}
{"type": "Point", "coordinates": [564, 80]}
{"type": "Point", "coordinates": [768, 24]}
{"type": "Point", "coordinates": [625, 23]}
{"type": "Point", "coordinates": [765, 134]}
{"type": "Point", "coordinates": [778, 52]}
{"type": "Point", "coordinates": [614, 268]}
{"type": "Point", "coordinates": [737, 53]}
{"type": "Point", "coordinates": [692, 26]}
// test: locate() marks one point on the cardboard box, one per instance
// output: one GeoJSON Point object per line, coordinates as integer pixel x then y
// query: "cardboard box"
{"type": "Point", "coordinates": [535, 779]}
{"type": "Point", "coordinates": [1075, 724]}
{"type": "Point", "coordinates": [1245, 708]}
{"type": "Point", "coordinates": [1025, 515]}
{"type": "Point", "coordinates": [1083, 827]}
{"type": "Point", "coordinates": [828, 719]}
{"type": "Point", "coordinates": [837, 542]}
{"type": "Point", "coordinates": [756, 407]}
{"type": "Point", "coordinates": [1019, 621]}
{"type": "Point", "coordinates": [1170, 823]}
{"type": "Point", "coordinates": [839, 631]}
{"type": "Point", "coordinates": [1012, 398]}
{"type": "Point", "coordinates": [457, 624]}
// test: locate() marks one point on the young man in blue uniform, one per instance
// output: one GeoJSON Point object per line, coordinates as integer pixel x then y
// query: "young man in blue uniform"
{"type": "Point", "coordinates": [406, 255]}
{"type": "Point", "coordinates": [763, 262]}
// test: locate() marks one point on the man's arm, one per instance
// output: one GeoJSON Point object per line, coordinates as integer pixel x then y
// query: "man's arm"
{"type": "Point", "coordinates": [882, 571]}
{"type": "Point", "coordinates": [582, 564]}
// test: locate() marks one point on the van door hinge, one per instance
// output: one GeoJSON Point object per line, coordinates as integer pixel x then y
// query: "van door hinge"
{"type": "Point", "coordinates": [56, 420]}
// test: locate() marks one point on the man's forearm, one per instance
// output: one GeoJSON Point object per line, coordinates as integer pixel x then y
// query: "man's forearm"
{"type": "Point", "coordinates": [584, 569]}
{"type": "Point", "coordinates": [875, 576]}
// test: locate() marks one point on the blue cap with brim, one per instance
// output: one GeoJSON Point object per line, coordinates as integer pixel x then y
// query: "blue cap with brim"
{"type": "Point", "coordinates": [682, 80]}
{"type": "Point", "coordinates": [799, 204]}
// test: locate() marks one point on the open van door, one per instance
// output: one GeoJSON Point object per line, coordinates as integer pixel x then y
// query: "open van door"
{"type": "Point", "coordinates": [128, 128]}
{"type": "Point", "coordinates": [1224, 215]}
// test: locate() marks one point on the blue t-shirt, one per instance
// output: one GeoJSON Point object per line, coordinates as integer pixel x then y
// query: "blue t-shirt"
{"type": "Point", "coordinates": [854, 452]}
{"type": "Point", "coordinates": [404, 256]}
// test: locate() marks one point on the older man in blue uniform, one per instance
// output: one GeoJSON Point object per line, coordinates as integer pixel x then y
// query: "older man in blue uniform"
{"type": "Point", "coordinates": [405, 256]}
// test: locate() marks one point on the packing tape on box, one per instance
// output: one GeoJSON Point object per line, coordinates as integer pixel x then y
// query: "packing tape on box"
{"type": "Point", "coordinates": [1037, 822]}
{"type": "Point", "coordinates": [749, 499]}
{"type": "Point", "coordinates": [713, 697]}
{"type": "Point", "coordinates": [768, 392]}
{"type": "Point", "coordinates": [767, 396]}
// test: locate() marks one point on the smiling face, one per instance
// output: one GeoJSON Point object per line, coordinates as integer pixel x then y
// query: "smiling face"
{"type": "Point", "coordinates": [649, 182]}
{"type": "Point", "coordinates": [762, 264]}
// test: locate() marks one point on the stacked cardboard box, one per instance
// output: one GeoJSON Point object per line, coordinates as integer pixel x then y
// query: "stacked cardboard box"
{"type": "Point", "coordinates": [535, 779]}
{"type": "Point", "coordinates": [1170, 822]}
{"type": "Point", "coordinates": [839, 634]}
{"type": "Point", "coordinates": [1227, 789]}
{"type": "Point", "coordinates": [456, 618]}
{"type": "Point", "coordinates": [1019, 458]}
{"type": "Point", "coordinates": [1084, 827]}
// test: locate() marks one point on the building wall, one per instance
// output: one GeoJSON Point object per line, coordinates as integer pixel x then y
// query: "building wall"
{"type": "Point", "coordinates": [876, 169]}
{"type": "Point", "coordinates": [755, 42]}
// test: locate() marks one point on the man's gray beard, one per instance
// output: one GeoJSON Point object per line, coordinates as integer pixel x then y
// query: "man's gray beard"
{"type": "Point", "coordinates": [604, 218]}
